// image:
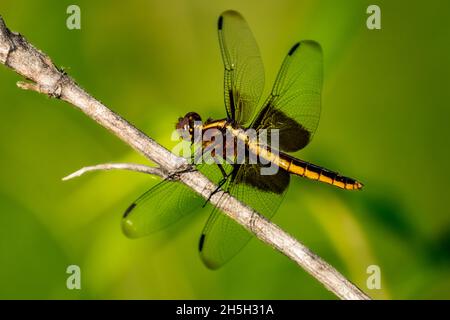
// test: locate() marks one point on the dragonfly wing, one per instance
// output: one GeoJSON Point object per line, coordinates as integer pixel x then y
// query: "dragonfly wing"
{"type": "Point", "coordinates": [222, 237]}
{"type": "Point", "coordinates": [244, 70]}
{"type": "Point", "coordinates": [293, 107]}
{"type": "Point", "coordinates": [164, 204]}
{"type": "Point", "coordinates": [159, 207]}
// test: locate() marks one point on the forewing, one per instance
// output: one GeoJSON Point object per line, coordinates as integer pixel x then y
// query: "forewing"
{"type": "Point", "coordinates": [244, 70]}
{"type": "Point", "coordinates": [294, 104]}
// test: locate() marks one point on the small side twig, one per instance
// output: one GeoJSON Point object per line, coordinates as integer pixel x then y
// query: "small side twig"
{"type": "Point", "coordinates": [118, 166]}
{"type": "Point", "coordinates": [22, 57]}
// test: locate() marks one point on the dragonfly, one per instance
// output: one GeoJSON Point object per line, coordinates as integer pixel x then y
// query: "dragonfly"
{"type": "Point", "coordinates": [292, 108]}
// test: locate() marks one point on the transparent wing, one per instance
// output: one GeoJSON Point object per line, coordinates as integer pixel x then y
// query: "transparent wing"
{"type": "Point", "coordinates": [159, 207]}
{"type": "Point", "coordinates": [164, 204]}
{"type": "Point", "coordinates": [223, 238]}
{"type": "Point", "coordinates": [244, 70]}
{"type": "Point", "coordinates": [294, 104]}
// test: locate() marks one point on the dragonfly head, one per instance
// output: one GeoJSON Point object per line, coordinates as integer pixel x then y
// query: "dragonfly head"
{"type": "Point", "coordinates": [187, 125]}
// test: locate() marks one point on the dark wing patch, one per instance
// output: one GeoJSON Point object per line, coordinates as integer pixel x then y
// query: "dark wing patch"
{"type": "Point", "coordinates": [276, 183]}
{"type": "Point", "coordinates": [292, 135]}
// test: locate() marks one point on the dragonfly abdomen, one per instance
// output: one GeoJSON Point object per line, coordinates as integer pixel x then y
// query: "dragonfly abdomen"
{"type": "Point", "coordinates": [287, 162]}
{"type": "Point", "coordinates": [313, 172]}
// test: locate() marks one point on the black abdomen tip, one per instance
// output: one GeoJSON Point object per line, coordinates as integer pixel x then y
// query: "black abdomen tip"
{"type": "Point", "coordinates": [291, 52]}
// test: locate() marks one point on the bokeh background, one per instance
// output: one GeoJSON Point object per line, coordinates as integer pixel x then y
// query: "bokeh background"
{"type": "Point", "coordinates": [384, 121]}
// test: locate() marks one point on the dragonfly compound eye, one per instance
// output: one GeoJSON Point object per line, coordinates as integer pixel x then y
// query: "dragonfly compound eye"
{"type": "Point", "coordinates": [187, 125]}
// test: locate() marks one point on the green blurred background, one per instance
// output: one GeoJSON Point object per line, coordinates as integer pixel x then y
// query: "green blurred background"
{"type": "Point", "coordinates": [384, 121]}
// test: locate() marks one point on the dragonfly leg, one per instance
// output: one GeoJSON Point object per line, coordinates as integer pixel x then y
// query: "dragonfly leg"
{"type": "Point", "coordinates": [220, 184]}
{"type": "Point", "coordinates": [222, 170]}
{"type": "Point", "coordinates": [176, 174]}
